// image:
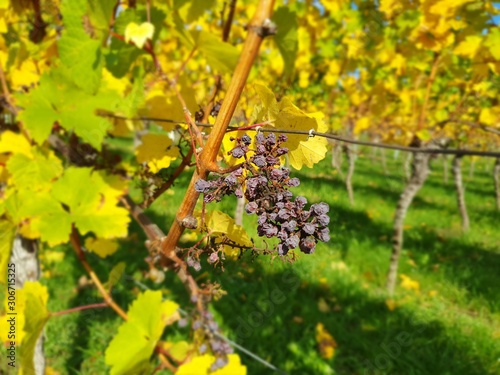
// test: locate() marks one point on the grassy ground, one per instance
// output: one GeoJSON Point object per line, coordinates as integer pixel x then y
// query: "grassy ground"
{"type": "Point", "coordinates": [449, 323]}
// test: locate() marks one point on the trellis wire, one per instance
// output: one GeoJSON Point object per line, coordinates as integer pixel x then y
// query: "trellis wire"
{"type": "Point", "coordinates": [313, 133]}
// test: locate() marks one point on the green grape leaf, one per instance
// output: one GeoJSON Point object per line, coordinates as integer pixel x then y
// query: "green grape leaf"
{"type": "Point", "coordinates": [36, 315]}
{"type": "Point", "coordinates": [92, 198]}
{"type": "Point", "coordinates": [41, 216]}
{"type": "Point", "coordinates": [287, 37]}
{"type": "Point", "coordinates": [7, 232]}
{"type": "Point", "coordinates": [80, 54]}
{"type": "Point", "coordinates": [131, 348]}
{"type": "Point", "coordinates": [115, 275]}
{"type": "Point", "coordinates": [193, 9]}
{"type": "Point", "coordinates": [34, 173]}
{"type": "Point", "coordinates": [122, 55]}
{"type": "Point", "coordinates": [100, 15]}
{"type": "Point", "coordinates": [57, 100]}
{"type": "Point", "coordinates": [39, 115]}
{"type": "Point", "coordinates": [285, 115]}
{"type": "Point", "coordinates": [135, 98]}
{"type": "Point", "coordinates": [493, 42]}
{"type": "Point", "coordinates": [220, 56]}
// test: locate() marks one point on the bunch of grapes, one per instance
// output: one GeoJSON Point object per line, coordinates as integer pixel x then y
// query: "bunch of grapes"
{"type": "Point", "coordinates": [266, 187]}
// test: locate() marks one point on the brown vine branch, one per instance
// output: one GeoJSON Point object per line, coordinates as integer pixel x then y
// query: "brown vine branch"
{"type": "Point", "coordinates": [164, 187]}
{"type": "Point", "coordinates": [156, 236]}
{"type": "Point", "coordinates": [430, 81]}
{"type": "Point", "coordinates": [257, 30]}
{"type": "Point", "coordinates": [75, 241]}
{"type": "Point", "coordinates": [218, 79]}
{"type": "Point", "coordinates": [80, 308]}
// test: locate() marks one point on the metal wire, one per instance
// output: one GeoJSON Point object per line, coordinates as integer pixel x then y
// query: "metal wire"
{"type": "Point", "coordinates": [335, 137]}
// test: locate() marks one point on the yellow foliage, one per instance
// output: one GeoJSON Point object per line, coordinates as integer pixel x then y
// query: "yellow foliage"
{"type": "Point", "coordinates": [100, 246]}
{"type": "Point", "coordinates": [139, 34]}
{"type": "Point", "coordinates": [326, 342]}
{"type": "Point", "coordinates": [469, 46]}
{"type": "Point", "coordinates": [361, 124]}
{"type": "Point", "coordinates": [488, 116]}
{"type": "Point", "coordinates": [15, 143]}
{"type": "Point", "coordinates": [157, 151]}
{"type": "Point", "coordinates": [409, 284]}
{"type": "Point", "coordinates": [219, 224]}
{"type": "Point", "coordinates": [201, 366]}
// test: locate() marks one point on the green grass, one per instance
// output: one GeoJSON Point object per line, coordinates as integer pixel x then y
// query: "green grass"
{"type": "Point", "coordinates": [451, 325]}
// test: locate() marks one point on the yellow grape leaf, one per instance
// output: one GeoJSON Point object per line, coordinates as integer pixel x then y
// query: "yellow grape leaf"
{"type": "Point", "coordinates": [139, 34]}
{"type": "Point", "coordinates": [389, 7]}
{"type": "Point", "coordinates": [228, 145]}
{"type": "Point", "coordinates": [36, 315]}
{"type": "Point", "coordinates": [391, 304]}
{"type": "Point", "coordinates": [285, 115]}
{"type": "Point", "coordinates": [15, 143]}
{"type": "Point", "coordinates": [201, 366]}
{"type": "Point", "coordinates": [26, 75]}
{"type": "Point", "coordinates": [36, 172]}
{"type": "Point", "coordinates": [220, 224]}
{"type": "Point", "coordinates": [101, 246]}
{"type": "Point", "coordinates": [51, 256]}
{"type": "Point", "coordinates": [409, 284]}
{"type": "Point", "coordinates": [132, 346]}
{"type": "Point", "coordinates": [361, 124]}
{"type": "Point", "coordinates": [5, 323]}
{"type": "Point", "coordinates": [326, 342]}
{"type": "Point", "coordinates": [7, 232]}
{"type": "Point", "coordinates": [469, 46]}
{"type": "Point", "coordinates": [157, 151]}
{"type": "Point", "coordinates": [303, 79]}
{"type": "Point", "coordinates": [178, 350]}
{"type": "Point", "coordinates": [488, 116]}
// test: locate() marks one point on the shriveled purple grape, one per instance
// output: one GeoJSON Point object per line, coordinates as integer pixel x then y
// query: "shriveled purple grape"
{"type": "Point", "coordinates": [251, 207]}
{"type": "Point", "coordinates": [202, 186]}
{"type": "Point", "coordinates": [323, 220]}
{"type": "Point", "coordinates": [259, 161]}
{"type": "Point", "coordinates": [307, 245]}
{"type": "Point", "coordinates": [323, 234]}
{"type": "Point", "coordinates": [309, 228]}
{"type": "Point", "coordinates": [320, 208]}
{"type": "Point", "coordinates": [238, 152]}
{"type": "Point", "coordinates": [246, 139]}
{"type": "Point", "coordinates": [292, 242]}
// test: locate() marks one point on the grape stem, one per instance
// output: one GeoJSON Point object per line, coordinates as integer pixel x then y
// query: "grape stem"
{"type": "Point", "coordinates": [211, 149]}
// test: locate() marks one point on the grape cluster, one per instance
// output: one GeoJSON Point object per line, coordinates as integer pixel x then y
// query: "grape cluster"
{"type": "Point", "coordinates": [220, 348]}
{"type": "Point", "coordinates": [266, 187]}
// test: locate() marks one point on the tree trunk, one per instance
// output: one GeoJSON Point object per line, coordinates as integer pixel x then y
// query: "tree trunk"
{"type": "Point", "coordinates": [337, 158]}
{"type": "Point", "coordinates": [496, 177]}
{"type": "Point", "coordinates": [445, 169]}
{"type": "Point", "coordinates": [406, 166]}
{"type": "Point", "coordinates": [384, 161]}
{"type": "Point", "coordinates": [238, 214]}
{"type": "Point", "coordinates": [459, 186]}
{"type": "Point", "coordinates": [420, 172]}
{"type": "Point", "coordinates": [24, 256]}
{"type": "Point", "coordinates": [471, 168]}
{"type": "Point", "coordinates": [351, 158]}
